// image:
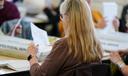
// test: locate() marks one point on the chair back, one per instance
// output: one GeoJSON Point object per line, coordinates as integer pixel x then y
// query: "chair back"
{"type": "Point", "coordinates": [94, 69]}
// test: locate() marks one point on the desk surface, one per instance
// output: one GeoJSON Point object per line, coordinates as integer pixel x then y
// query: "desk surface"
{"type": "Point", "coordinates": [7, 58]}
{"type": "Point", "coordinates": [4, 71]}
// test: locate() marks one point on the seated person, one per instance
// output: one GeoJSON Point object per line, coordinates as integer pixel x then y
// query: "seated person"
{"type": "Point", "coordinates": [52, 12]}
{"type": "Point", "coordinates": [123, 26]}
{"type": "Point", "coordinates": [8, 11]}
{"type": "Point", "coordinates": [98, 19]}
{"type": "Point", "coordinates": [78, 46]}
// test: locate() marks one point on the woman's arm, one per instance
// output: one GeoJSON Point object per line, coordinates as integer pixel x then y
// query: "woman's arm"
{"type": "Point", "coordinates": [51, 64]}
{"type": "Point", "coordinates": [125, 70]}
{"type": "Point", "coordinates": [33, 52]}
{"type": "Point", "coordinates": [116, 59]}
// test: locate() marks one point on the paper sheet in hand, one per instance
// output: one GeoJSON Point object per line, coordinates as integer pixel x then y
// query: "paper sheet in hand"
{"type": "Point", "coordinates": [39, 37]}
{"type": "Point", "coordinates": [110, 12]}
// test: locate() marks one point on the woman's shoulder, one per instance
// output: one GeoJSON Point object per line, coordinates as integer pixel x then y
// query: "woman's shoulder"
{"type": "Point", "coordinates": [60, 42]}
{"type": "Point", "coordinates": [60, 45]}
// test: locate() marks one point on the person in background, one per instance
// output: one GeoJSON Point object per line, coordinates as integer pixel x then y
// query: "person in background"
{"type": "Point", "coordinates": [78, 46]}
{"type": "Point", "coordinates": [123, 21]}
{"type": "Point", "coordinates": [17, 28]}
{"type": "Point", "coordinates": [116, 58]}
{"type": "Point", "coordinates": [52, 12]}
{"type": "Point", "coordinates": [98, 18]}
{"type": "Point", "coordinates": [8, 11]}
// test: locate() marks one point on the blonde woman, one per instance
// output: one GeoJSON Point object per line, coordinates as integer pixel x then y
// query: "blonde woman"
{"type": "Point", "coordinates": [78, 46]}
{"type": "Point", "coordinates": [99, 21]}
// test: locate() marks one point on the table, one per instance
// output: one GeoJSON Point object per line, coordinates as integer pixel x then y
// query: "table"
{"type": "Point", "coordinates": [6, 58]}
{"type": "Point", "coordinates": [10, 72]}
{"type": "Point", "coordinates": [23, 72]}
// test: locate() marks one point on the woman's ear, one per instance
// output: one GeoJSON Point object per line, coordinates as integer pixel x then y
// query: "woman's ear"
{"type": "Point", "coordinates": [61, 18]}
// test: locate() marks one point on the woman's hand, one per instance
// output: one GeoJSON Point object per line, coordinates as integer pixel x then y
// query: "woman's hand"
{"type": "Point", "coordinates": [32, 49]}
{"type": "Point", "coordinates": [116, 23]}
{"type": "Point", "coordinates": [101, 23]}
{"type": "Point", "coordinates": [115, 57]}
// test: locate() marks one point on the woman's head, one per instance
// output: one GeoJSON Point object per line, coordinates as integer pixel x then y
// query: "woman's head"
{"type": "Point", "coordinates": [76, 13]}
{"type": "Point", "coordinates": [79, 28]}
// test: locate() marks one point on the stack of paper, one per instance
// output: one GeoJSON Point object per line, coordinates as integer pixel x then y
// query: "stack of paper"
{"type": "Point", "coordinates": [113, 40]}
{"type": "Point", "coordinates": [16, 65]}
{"type": "Point", "coordinates": [13, 47]}
{"type": "Point", "coordinates": [17, 47]}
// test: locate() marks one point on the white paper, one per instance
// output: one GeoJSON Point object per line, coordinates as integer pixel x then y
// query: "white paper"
{"type": "Point", "coordinates": [1, 33]}
{"type": "Point", "coordinates": [113, 36]}
{"type": "Point", "coordinates": [17, 65]}
{"type": "Point", "coordinates": [109, 45]}
{"type": "Point", "coordinates": [40, 37]}
{"type": "Point", "coordinates": [110, 10]}
{"type": "Point", "coordinates": [2, 72]}
{"type": "Point", "coordinates": [112, 41]}
{"type": "Point", "coordinates": [2, 64]}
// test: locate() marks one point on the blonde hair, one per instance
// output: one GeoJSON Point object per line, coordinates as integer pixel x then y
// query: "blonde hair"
{"type": "Point", "coordinates": [81, 38]}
